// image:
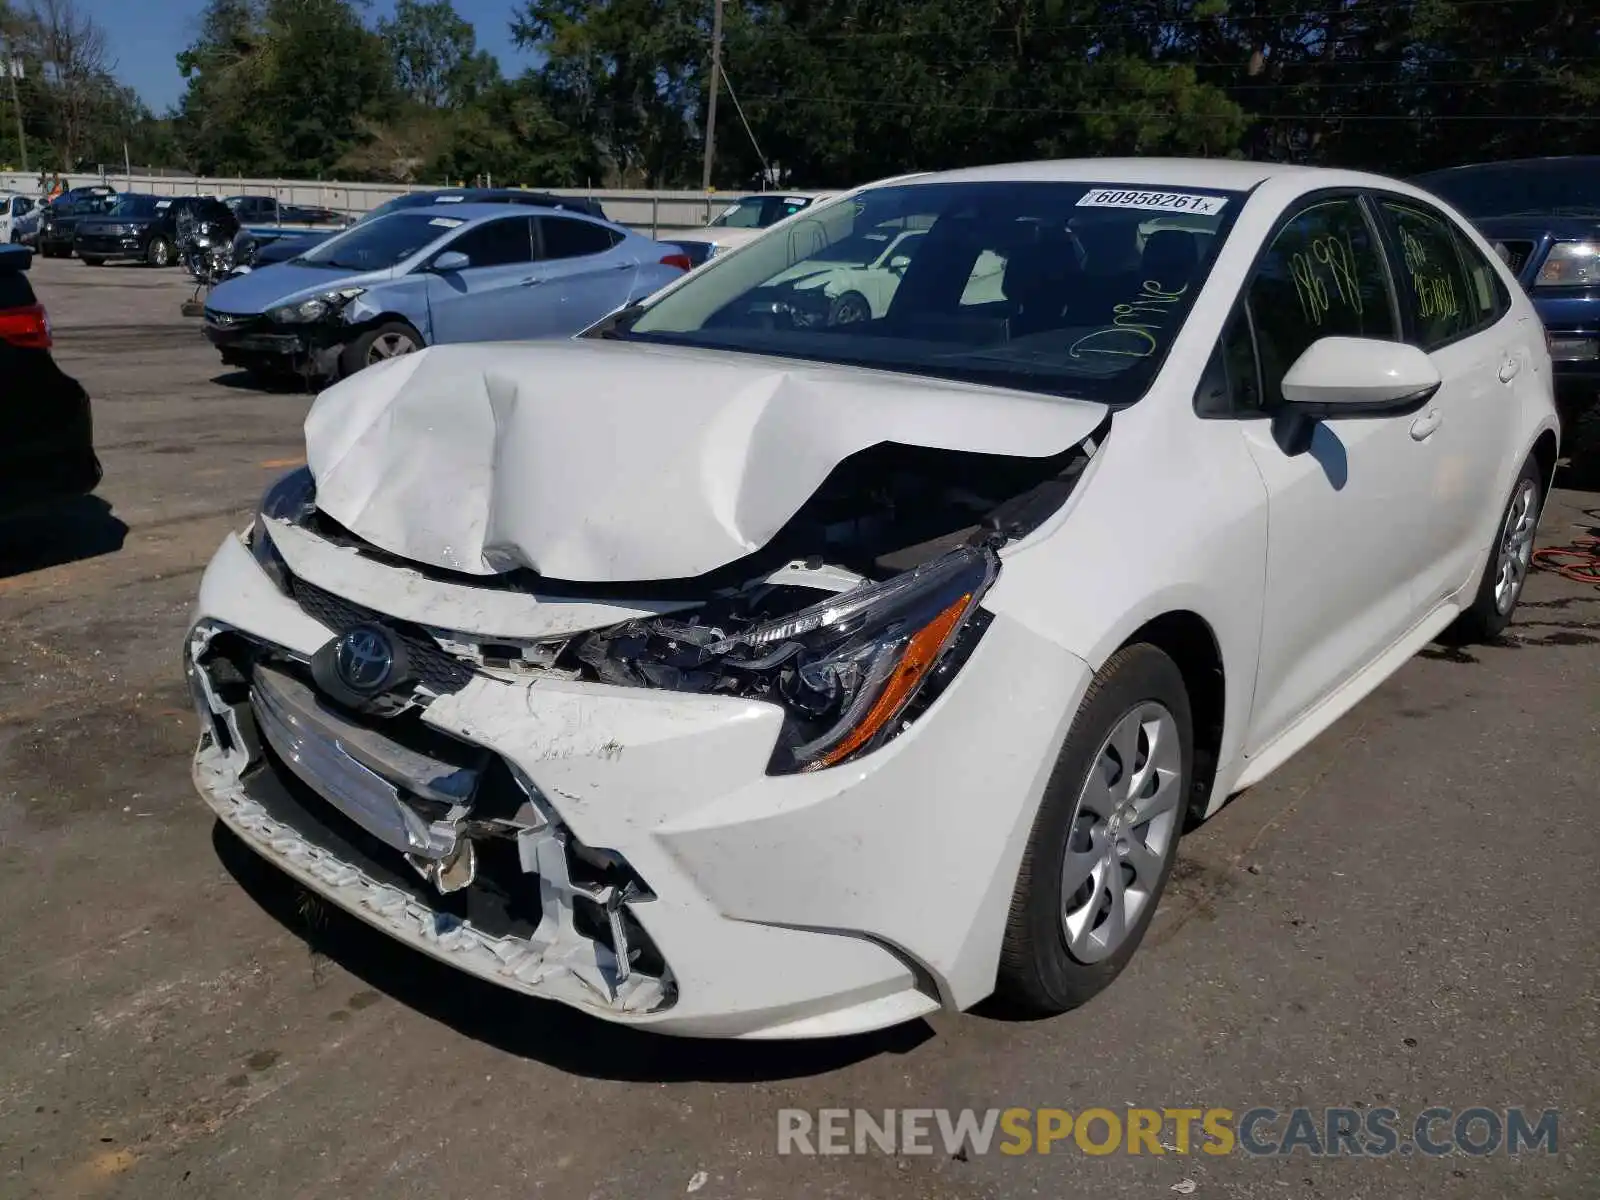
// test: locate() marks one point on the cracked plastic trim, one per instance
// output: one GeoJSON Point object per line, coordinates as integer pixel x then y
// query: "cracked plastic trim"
{"type": "Point", "coordinates": [556, 963]}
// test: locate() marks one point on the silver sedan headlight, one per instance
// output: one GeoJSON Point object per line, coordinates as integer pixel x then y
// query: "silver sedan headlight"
{"type": "Point", "coordinates": [314, 309]}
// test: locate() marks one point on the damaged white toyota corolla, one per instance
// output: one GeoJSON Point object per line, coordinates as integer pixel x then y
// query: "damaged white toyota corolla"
{"type": "Point", "coordinates": [757, 666]}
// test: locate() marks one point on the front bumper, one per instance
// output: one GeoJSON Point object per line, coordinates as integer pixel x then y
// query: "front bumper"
{"type": "Point", "coordinates": [815, 905]}
{"type": "Point", "coordinates": [254, 341]}
{"type": "Point", "coordinates": [120, 248]}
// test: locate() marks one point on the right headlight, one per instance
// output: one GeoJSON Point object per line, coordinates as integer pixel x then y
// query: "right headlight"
{"type": "Point", "coordinates": [848, 670]}
{"type": "Point", "coordinates": [1570, 264]}
{"type": "Point", "coordinates": [292, 499]}
{"type": "Point", "coordinates": [860, 658]}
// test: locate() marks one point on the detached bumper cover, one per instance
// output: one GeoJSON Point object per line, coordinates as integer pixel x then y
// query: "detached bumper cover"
{"type": "Point", "coordinates": [831, 903]}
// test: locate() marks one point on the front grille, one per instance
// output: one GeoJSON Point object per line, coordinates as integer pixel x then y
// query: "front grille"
{"type": "Point", "coordinates": [435, 670]}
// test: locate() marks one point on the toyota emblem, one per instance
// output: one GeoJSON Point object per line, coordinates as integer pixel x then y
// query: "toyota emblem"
{"type": "Point", "coordinates": [364, 658]}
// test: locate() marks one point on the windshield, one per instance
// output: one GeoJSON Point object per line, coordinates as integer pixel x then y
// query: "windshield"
{"type": "Point", "coordinates": [757, 212]}
{"type": "Point", "coordinates": [379, 243]}
{"type": "Point", "coordinates": [1555, 188]}
{"type": "Point", "coordinates": [1074, 289]}
{"type": "Point", "coordinates": [135, 206]}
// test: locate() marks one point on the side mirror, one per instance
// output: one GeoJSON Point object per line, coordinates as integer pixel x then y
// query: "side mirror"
{"type": "Point", "coordinates": [1345, 377]}
{"type": "Point", "coordinates": [451, 260]}
{"type": "Point", "coordinates": [899, 263]}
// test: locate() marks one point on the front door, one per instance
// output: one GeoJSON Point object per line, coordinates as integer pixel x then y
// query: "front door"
{"type": "Point", "coordinates": [1348, 525]}
{"type": "Point", "coordinates": [484, 301]}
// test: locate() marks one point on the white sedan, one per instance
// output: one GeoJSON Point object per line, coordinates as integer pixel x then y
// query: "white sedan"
{"type": "Point", "coordinates": [726, 671]}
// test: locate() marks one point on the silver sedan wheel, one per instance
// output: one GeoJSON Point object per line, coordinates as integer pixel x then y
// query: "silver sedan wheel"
{"type": "Point", "coordinates": [1516, 546]}
{"type": "Point", "coordinates": [1122, 832]}
{"type": "Point", "coordinates": [389, 345]}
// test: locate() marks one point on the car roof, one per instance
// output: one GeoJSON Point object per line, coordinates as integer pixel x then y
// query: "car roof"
{"type": "Point", "coordinates": [1550, 160]}
{"type": "Point", "coordinates": [468, 211]}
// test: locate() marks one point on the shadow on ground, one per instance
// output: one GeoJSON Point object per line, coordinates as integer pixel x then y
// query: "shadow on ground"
{"type": "Point", "coordinates": [251, 381]}
{"type": "Point", "coordinates": [58, 534]}
{"type": "Point", "coordinates": [544, 1031]}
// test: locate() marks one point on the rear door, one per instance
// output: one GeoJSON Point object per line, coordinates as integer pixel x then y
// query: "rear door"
{"type": "Point", "coordinates": [1456, 310]}
{"type": "Point", "coordinates": [585, 270]}
{"type": "Point", "coordinates": [487, 300]}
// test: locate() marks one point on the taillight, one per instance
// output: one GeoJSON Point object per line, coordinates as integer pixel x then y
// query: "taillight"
{"type": "Point", "coordinates": [681, 261]}
{"type": "Point", "coordinates": [28, 327]}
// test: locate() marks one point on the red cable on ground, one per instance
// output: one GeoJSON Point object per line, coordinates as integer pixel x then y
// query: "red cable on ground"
{"type": "Point", "coordinates": [1579, 562]}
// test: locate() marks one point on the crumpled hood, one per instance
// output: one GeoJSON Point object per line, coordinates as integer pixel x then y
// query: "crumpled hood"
{"type": "Point", "coordinates": [601, 462]}
{"type": "Point", "coordinates": [282, 283]}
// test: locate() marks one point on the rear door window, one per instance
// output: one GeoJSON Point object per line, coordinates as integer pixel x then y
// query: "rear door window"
{"type": "Point", "coordinates": [563, 237]}
{"type": "Point", "coordinates": [1434, 288]}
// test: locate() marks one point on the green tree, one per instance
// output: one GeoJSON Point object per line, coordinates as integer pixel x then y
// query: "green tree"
{"type": "Point", "coordinates": [435, 53]}
{"type": "Point", "coordinates": [628, 73]}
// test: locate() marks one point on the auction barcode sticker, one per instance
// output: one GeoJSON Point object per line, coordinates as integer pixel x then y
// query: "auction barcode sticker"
{"type": "Point", "coordinates": [1188, 202]}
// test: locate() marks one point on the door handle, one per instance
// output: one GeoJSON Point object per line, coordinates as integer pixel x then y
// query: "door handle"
{"type": "Point", "coordinates": [1509, 369]}
{"type": "Point", "coordinates": [1422, 428]}
{"type": "Point", "coordinates": [531, 281]}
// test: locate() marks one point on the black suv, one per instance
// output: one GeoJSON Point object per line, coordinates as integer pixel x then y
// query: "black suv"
{"type": "Point", "coordinates": [59, 224]}
{"type": "Point", "coordinates": [145, 228]}
{"type": "Point", "coordinates": [46, 432]}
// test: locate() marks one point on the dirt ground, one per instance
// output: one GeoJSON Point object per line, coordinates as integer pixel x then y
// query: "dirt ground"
{"type": "Point", "coordinates": [1405, 915]}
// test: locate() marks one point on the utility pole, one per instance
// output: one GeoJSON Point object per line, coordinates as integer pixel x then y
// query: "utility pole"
{"type": "Point", "coordinates": [13, 69]}
{"type": "Point", "coordinates": [711, 105]}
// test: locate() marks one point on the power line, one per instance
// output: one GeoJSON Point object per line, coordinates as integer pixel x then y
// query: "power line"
{"type": "Point", "coordinates": [1300, 17]}
{"type": "Point", "coordinates": [788, 98]}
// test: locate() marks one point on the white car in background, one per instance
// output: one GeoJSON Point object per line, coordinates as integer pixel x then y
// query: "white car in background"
{"type": "Point", "coordinates": [725, 671]}
{"type": "Point", "coordinates": [19, 218]}
{"type": "Point", "coordinates": [742, 222]}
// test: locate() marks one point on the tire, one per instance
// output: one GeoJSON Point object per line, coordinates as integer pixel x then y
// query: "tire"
{"type": "Point", "coordinates": [1509, 559]}
{"type": "Point", "coordinates": [92, 261]}
{"type": "Point", "coordinates": [1056, 956]}
{"type": "Point", "coordinates": [159, 252]}
{"type": "Point", "coordinates": [849, 309]}
{"type": "Point", "coordinates": [369, 347]}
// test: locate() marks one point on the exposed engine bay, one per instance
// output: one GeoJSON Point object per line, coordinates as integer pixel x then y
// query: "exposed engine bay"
{"type": "Point", "coordinates": [849, 619]}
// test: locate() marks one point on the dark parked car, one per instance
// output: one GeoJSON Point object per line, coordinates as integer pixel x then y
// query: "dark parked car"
{"type": "Point", "coordinates": [268, 210]}
{"type": "Point", "coordinates": [59, 225]}
{"type": "Point", "coordinates": [46, 433]}
{"type": "Point", "coordinates": [145, 228]}
{"type": "Point", "coordinates": [258, 254]}
{"type": "Point", "coordinates": [1543, 217]}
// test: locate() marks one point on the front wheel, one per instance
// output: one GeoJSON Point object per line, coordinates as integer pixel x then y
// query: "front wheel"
{"type": "Point", "coordinates": [1509, 560]}
{"type": "Point", "coordinates": [389, 340]}
{"type": "Point", "coordinates": [1105, 838]}
{"type": "Point", "coordinates": [159, 252]}
{"type": "Point", "coordinates": [91, 261]}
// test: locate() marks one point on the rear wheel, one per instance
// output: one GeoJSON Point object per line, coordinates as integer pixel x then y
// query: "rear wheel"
{"type": "Point", "coordinates": [1509, 560]}
{"type": "Point", "coordinates": [159, 252]}
{"type": "Point", "coordinates": [849, 309]}
{"type": "Point", "coordinates": [389, 340]}
{"type": "Point", "coordinates": [1105, 838]}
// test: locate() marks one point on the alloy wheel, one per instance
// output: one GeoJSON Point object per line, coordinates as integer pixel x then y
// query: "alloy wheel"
{"type": "Point", "coordinates": [1516, 546]}
{"type": "Point", "coordinates": [1122, 832]}
{"type": "Point", "coordinates": [389, 345]}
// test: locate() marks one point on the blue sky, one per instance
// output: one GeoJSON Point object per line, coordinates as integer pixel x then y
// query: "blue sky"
{"type": "Point", "coordinates": [146, 35]}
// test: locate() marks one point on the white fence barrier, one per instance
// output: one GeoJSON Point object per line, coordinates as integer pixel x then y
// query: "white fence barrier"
{"type": "Point", "coordinates": [654, 213]}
